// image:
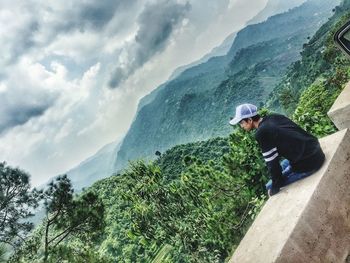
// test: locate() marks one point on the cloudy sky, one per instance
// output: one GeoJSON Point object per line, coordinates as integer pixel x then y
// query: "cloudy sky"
{"type": "Point", "coordinates": [72, 72]}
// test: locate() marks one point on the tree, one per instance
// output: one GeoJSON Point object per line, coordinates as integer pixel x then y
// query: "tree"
{"type": "Point", "coordinates": [67, 216]}
{"type": "Point", "coordinates": [311, 113]}
{"type": "Point", "coordinates": [202, 213]}
{"type": "Point", "coordinates": [2, 253]}
{"type": "Point", "coordinates": [17, 202]}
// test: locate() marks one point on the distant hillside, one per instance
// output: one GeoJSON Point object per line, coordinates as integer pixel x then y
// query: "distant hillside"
{"type": "Point", "coordinates": [197, 104]}
{"type": "Point", "coordinates": [317, 61]}
{"type": "Point", "coordinates": [95, 168]}
{"type": "Point", "coordinates": [216, 52]}
{"type": "Point", "coordinates": [274, 7]}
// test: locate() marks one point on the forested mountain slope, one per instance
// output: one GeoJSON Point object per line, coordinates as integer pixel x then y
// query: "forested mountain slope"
{"type": "Point", "coordinates": [197, 104]}
{"type": "Point", "coordinates": [319, 61]}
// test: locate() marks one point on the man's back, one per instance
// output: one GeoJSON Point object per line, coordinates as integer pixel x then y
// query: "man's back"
{"type": "Point", "coordinates": [292, 142]}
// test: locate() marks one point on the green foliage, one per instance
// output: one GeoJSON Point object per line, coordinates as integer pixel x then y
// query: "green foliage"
{"type": "Point", "coordinates": [317, 98]}
{"type": "Point", "coordinates": [311, 113]}
{"type": "Point", "coordinates": [163, 256]}
{"type": "Point", "coordinates": [187, 206]}
{"type": "Point", "coordinates": [245, 159]}
{"type": "Point", "coordinates": [16, 204]}
{"type": "Point", "coordinates": [119, 241]}
{"type": "Point", "coordinates": [175, 160]}
{"type": "Point", "coordinates": [2, 253]}
{"type": "Point", "coordinates": [80, 217]}
{"type": "Point", "coordinates": [69, 219]}
{"type": "Point", "coordinates": [77, 252]}
{"type": "Point", "coordinates": [321, 59]}
{"type": "Point", "coordinates": [204, 212]}
{"type": "Point", "coordinates": [29, 250]}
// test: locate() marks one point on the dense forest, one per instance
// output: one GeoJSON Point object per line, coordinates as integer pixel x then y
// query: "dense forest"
{"type": "Point", "coordinates": [193, 203]}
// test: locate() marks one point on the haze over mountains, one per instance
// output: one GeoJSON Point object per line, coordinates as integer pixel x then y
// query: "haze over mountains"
{"type": "Point", "coordinates": [96, 167]}
{"type": "Point", "coordinates": [272, 7]}
{"type": "Point", "coordinates": [195, 103]}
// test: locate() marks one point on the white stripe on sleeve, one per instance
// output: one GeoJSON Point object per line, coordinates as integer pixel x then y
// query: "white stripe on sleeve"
{"type": "Point", "coordinates": [271, 158]}
{"type": "Point", "coordinates": [269, 152]}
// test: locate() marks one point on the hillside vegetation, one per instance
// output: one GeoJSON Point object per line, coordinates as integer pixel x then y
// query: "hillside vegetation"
{"type": "Point", "coordinates": [195, 202]}
{"type": "Point", "coordinates": [312, 84]}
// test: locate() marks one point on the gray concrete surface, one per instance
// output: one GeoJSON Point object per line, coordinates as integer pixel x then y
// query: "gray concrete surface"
{"type": "Point", "coordinates": [340, 111]}
{"type": "Point", "coordinates": [309, 220]}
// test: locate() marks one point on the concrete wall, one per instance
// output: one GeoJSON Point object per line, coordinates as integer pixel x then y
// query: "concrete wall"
{"type": "Point", "coordinates": [340, 111]}
{"type": "Point", "coordinates": [308, 221]}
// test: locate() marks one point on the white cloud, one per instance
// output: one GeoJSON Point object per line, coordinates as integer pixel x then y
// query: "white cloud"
{"type": "Point", "coordinates": [156, 23]}
{"type": "Point", "coordinates": [75, 46]}
{"type": "Point", "coordinates": [3, 88]}
{"type": "Point", "coordinates": [49, 138]}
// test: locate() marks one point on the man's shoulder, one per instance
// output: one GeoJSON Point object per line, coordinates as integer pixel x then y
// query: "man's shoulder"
{"type": "Point", "coordinates": [275, 116]}
{"type": "Point", "coordinates": [269, 125]}
{"type": "Point", "coordinates": [265, 127]}
{"type": "Point", "coordinates": [269, 121]}
{"type": "Point", "coordinates": [273, 120]}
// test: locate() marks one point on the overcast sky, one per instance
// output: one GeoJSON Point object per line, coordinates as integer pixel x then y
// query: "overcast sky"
{"type": "Point", "coordinates": [72, 72]}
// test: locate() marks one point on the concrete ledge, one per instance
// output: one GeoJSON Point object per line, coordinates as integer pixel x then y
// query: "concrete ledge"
{"type": "Point", "coordinates": [308, 221]}
{"type": "Point", "coordinates": [340, 111]}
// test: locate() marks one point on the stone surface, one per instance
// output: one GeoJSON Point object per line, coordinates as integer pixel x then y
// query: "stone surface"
{"type": "Point", "coordinates": [340, 111]}
{"type": "Point", "coordinates": [309, 220]}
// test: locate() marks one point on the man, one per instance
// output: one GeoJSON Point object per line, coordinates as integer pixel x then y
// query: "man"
{"type": "Point", "coordinates": [279, 137]}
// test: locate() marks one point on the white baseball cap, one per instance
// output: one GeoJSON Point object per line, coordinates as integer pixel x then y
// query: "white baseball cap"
{"type": "Point", "coordinates": [244, 111]}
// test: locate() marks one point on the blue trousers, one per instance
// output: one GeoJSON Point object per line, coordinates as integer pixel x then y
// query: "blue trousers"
{"type": "Point", "coordinates": [291, 176]}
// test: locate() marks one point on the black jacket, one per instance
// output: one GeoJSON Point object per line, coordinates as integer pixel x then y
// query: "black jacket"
{"type": "Point", "coordinates": [278, 137]}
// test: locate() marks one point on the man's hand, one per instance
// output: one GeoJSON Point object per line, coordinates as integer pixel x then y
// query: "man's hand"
{"type": "Point", "coordinates": [273, 191]}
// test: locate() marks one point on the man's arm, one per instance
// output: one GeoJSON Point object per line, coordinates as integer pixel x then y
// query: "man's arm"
{"type": "Point", "coordinates": [275, 171]}
{"type": "Point", "coordinates": [266, 140]}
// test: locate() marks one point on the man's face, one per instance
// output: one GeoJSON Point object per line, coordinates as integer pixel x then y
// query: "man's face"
{"type": "Point", "coordinates": [247, 125]}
